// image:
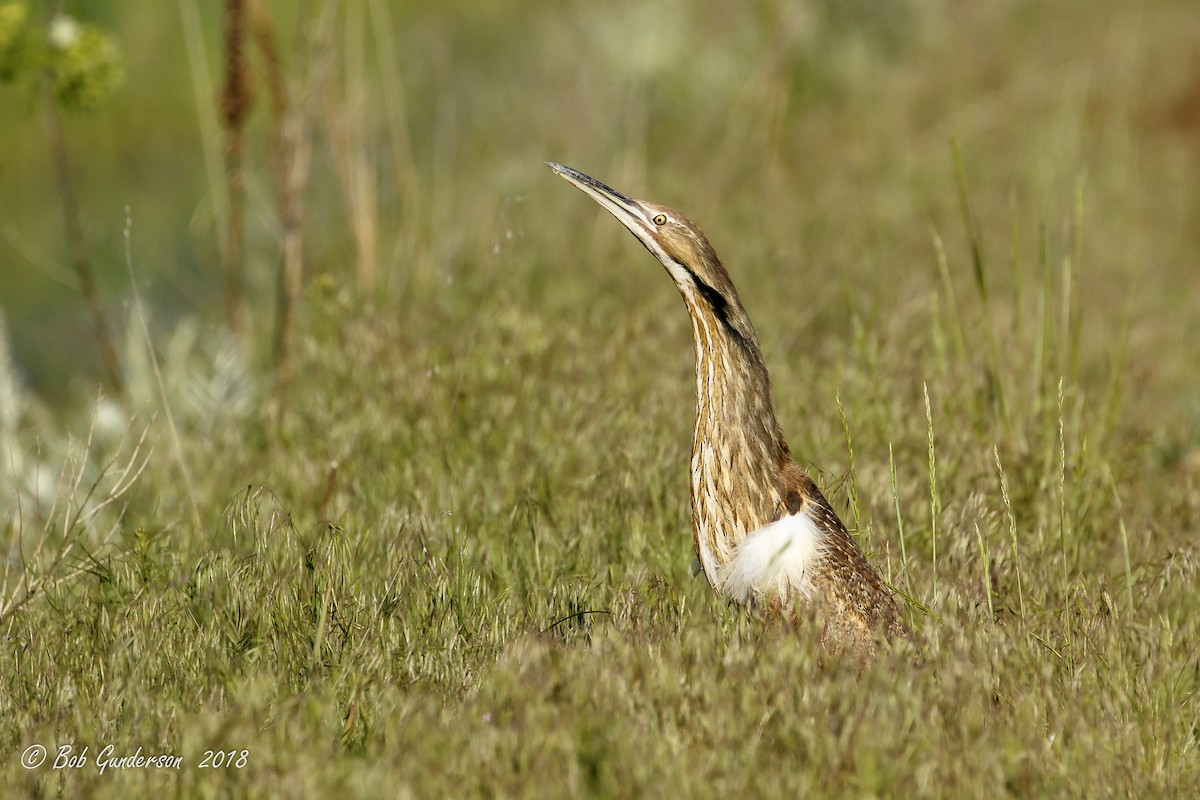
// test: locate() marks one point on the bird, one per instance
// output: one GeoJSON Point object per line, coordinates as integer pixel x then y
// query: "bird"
{"type": "Point", "coordinates": [764, 534]}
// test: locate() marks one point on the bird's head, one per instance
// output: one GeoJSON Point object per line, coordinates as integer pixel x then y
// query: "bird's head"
{"type": "Point", "coordinates": [675, 241]}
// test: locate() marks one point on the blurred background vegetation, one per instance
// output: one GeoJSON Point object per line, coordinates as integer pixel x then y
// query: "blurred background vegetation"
{"type": "Point", "coordinates": [780, 126]}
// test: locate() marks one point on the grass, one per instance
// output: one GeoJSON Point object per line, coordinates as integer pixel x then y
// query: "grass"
{"type": "Point", "coordinates": [451, 556]}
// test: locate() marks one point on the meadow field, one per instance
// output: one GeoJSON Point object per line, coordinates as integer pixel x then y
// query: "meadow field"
{"type": "Point", "coordinates": [431, 538]}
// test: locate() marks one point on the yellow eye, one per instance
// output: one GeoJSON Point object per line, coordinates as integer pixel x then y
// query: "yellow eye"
{"type": "Point", "coordinates": [660, 219]}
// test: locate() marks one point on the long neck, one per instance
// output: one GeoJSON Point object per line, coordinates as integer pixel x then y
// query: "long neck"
{"type": "Point", "coordinates": [738, 449]}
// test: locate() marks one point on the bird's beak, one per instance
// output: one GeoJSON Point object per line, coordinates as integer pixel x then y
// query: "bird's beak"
{"type": "Point", "coordinates": [629, 211]}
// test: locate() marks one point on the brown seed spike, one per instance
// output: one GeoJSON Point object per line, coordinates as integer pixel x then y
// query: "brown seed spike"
{"type": "Point", "coordinates": [764, 534]}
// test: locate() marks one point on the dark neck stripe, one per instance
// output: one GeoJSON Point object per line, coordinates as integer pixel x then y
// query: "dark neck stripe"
{"type": "Point", "coordinates": [718, 303]}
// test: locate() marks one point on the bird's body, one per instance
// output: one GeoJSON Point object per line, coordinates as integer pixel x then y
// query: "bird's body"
{"type": "Point", "coordinates": [764, 533]}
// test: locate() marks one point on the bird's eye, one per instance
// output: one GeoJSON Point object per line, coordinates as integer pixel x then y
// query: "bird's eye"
{"type": "Point", "coordinates": [660, 219]}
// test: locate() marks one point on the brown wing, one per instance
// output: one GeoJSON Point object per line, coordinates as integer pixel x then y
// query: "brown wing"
{"type": "Point", "coordinates": [861, 602]}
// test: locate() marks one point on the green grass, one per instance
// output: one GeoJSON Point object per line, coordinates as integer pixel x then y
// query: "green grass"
{"type": "Point", "coordinates": [451, 557]}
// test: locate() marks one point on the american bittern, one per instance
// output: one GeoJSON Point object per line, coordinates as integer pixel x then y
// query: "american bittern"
{"type": "Point", "coordinates": [764, 534]}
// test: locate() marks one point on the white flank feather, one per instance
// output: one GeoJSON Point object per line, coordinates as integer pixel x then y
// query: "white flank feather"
{"type": "Point", "coordinates": [776, 559]}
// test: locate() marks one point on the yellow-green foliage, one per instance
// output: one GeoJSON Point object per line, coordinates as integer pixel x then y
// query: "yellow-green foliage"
{"type": "Point", "coordinates": [14, 39]}
{"type": "Point", "coordinates": [83, 62]}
